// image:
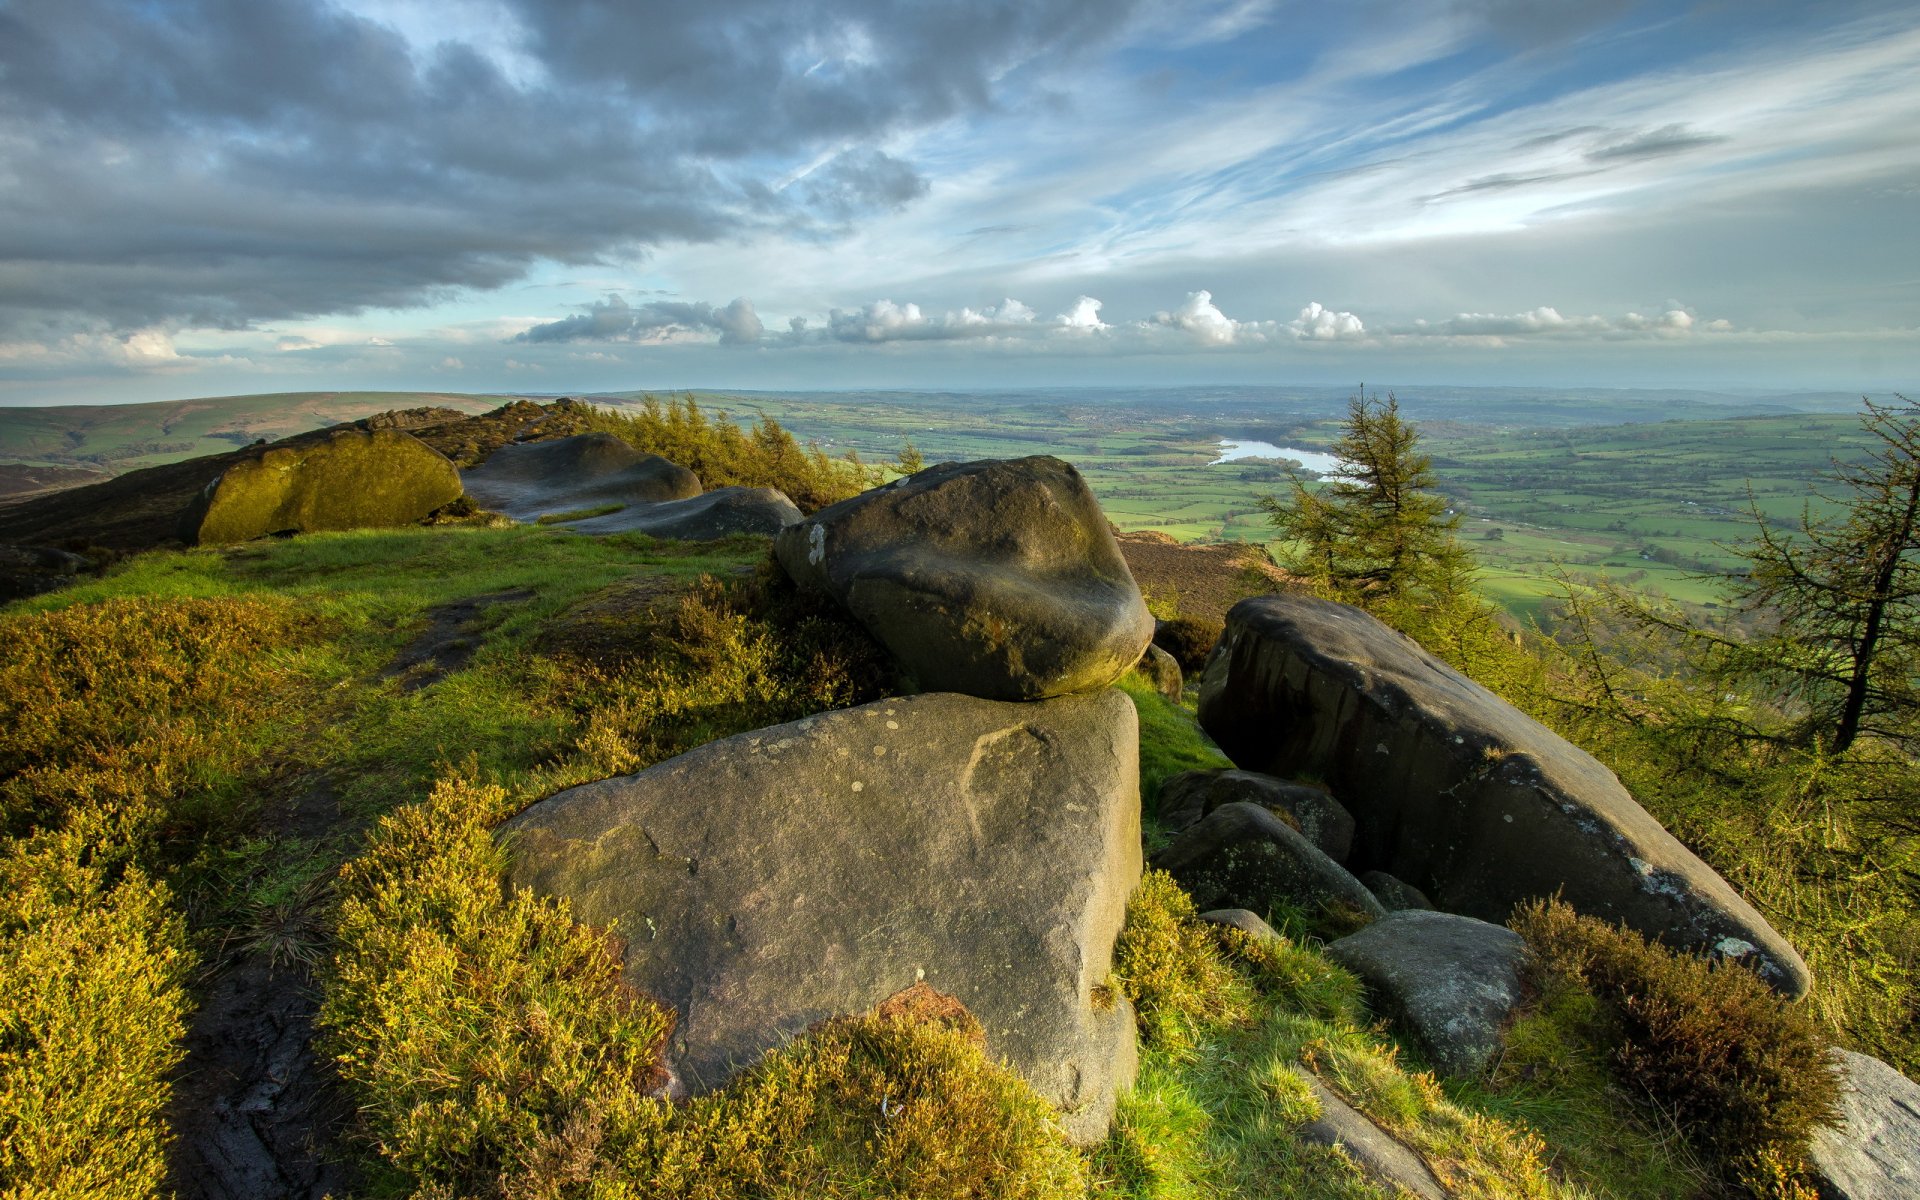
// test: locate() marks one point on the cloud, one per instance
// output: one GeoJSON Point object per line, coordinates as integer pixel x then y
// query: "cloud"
{"type": "Point", "coordinates": [221, 163]}
{"type": "Point", "coordinates": [1547, 322]}
{"type": "Point", "coordinates": [1655, 143]}
{"type": "Point", "coordinates": [1202, 318]}
{"type": "Point", "coordinates": [1084, 315]}
{"type": "Point", "coordinates": [885, 321]}
{"type": "Point", "coordinates": [1325, 325]}
{"type": "Point", "coordinates": [614, 320]}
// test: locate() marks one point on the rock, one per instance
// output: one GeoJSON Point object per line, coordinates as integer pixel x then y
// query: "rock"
{"type": "Point", "coordinates": [1188, 639]}
{"type": "Point", "coordinates": [1396, 894]}
{"type": "Point", "coordinates": [1243, 919]}
{"type": "Point", "coordinates": [1455, 790]}
{"type": "Point", "coordinates": [1450, 982]}
{"type": "Point", "coordinates": [1379, 1155]}
{"type": "Point", "coordinates": [1191, 795]}
{"type": "Point", "coordinates": [1243, 856]}
{"type": "Point", "coordinates": [716, 514]}
{"type": "Point", "coordinates": [29, 570]}
{"type": "Point", "coordinates": [1161, 671]}
{"type": "Point", "coordinates": [530, 480]}
{"type": "Point", "coordinates": [999, 579]}
{"type": "Point", "coordinates": [340, 479]}
{"type": "Point", "coordinates": [777, 878]}
{"type": "Point", "coordinates": [1875, 1152]}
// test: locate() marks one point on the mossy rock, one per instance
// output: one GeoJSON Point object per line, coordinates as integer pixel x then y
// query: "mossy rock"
{"type": "Point", "coordinates": [341, 479]}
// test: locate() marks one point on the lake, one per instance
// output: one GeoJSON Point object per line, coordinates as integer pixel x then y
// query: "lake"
{"type": "Point", "coordinates": [1313, 460]}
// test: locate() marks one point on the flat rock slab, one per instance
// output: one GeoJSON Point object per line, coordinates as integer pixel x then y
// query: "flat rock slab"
{"type": "Point", "coordinates": [1379, 1155]}
{"type": "Point", "coordinates": [999, 579]}
{"type": "Point", "coordinates": [1187, 797]}
{"type": "Point", "coordinates": [1396, 894]}
{"type": "Point", "coordinates": [1450, 982]}
{"type": "Point", "coordinates": [530, 480]}
{"type": "Point", "coordinates": [1458, 792]}
{"type": "Point", "coordinates": [1875, 1153]}
{"type": "Point", "coordinates": [1243, 856]}
{"type": "Point", "coordinates": [720, 513]}
{"type": "Point", "coordinates": [340, 479]}
{"type": "Point", "coordinates": [776, 878]}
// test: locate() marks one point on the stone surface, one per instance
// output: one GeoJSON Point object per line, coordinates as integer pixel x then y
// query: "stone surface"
{"type": "Point", "coordinates": [1243, 856]}
{"type": "Point", "coordinates": [773, 879]}
{"type": "Point", "coordinates": [1450, 982]}
{"type": "Point", "coordinates": [1243, 919]}
{"type": "Point", "coordinates": [29, 570]}
{"type": "Point", "coordinates": [999, 579]}
{"type": "Point", "coordinates": [1395, 894]}
{"type": "Point", "coordinates": [1378, 1154]}
{"type": "Point", "coordinates": [1191, 795]}
{"type": "Point", "coordinates": [1160, 670]}
{"type": "Point", "coordinates": [341, 479]}
{"type": "Point", "coordinates": [530, 480]}
{"type": "Point", "coordinates": [1456, 791]}
{"type": "Point", "coordinates": [1875, 1153]}
{"type": "Point", "coordinates": [716, 514]}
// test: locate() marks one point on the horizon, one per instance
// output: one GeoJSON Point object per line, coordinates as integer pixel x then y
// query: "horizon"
{"type": "Point", "coordinates": [232, 197]}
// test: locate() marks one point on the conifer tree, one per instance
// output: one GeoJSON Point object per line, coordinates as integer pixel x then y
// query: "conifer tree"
{"type": "Point", "coordinates": [1376, 534]}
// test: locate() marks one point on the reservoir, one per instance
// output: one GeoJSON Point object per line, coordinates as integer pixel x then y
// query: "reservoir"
{"type": "Point", "coordinates": [1318, 462]}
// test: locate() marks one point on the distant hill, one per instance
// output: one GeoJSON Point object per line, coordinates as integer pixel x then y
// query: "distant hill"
{"type": "Point", "coordinates": [115, 438]}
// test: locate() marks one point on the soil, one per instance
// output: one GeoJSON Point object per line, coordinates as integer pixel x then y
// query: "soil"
{"type": "Point", "coordinates": [258, 1113]}
{"type": "Point", "coordinates": [447, 643]}
{"type": "Point", "coordinates": [1203, 579]}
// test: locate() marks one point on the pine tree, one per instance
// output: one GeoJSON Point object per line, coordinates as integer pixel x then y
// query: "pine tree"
{"type": "Point", "coordinates": [1376, 534]}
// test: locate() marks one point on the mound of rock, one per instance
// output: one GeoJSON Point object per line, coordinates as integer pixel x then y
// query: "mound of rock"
{"type": "Point", "coordinates": [776, 878]}
{"type": "Point", "coordinates": [1449, 981]}
{"type": "Point", "coordinates": [716, 514]}
{"type": "Point", "coordinates": [343, 478]}
{"type": "Point", "coordinates": [1874, 1153]}
{"type": "Point", "coordinates": [1246, 856]}
{"type": "Point", "coordinates": [1457, 792]}
{"type": "Point", "coordinates": [531, 480]}
{"type": "Point", "coordinates": [1187, 797]}
{"type": "Point", "coordinates": [999, 579]}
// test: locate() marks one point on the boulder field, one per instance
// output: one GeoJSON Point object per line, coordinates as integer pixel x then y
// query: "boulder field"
{"type": "Point", "coordinates": [999, 579]}
{"type": "Point", "coordinates": [773, 879]}
{"type": "Point", "coordinates": [1456, 792]}
{"type": "Point", "coordinates": [529, 481]}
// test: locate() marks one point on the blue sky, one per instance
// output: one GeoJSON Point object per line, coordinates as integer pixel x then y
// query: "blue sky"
{"type": "Point", "coordinates": [216, 196]}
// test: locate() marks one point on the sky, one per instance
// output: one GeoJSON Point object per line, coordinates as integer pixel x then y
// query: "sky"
{"type": "Point", "coordinates": [207, 197]}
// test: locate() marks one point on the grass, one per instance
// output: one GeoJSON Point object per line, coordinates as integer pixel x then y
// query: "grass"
{"type": "Point", "coordinates": [579, 514]}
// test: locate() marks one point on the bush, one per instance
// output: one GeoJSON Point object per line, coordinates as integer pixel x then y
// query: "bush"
{"type": "Point", "coordinates": [1189, 640]}
{"type": "Point", "coordinates": [1745, 1072]}
{"type": "Point", "coordinates": [724, 455]}
{"type": "Point", "coordinates": [1169, 965]}
{"type": "Point", "coordinates": [93, 966]}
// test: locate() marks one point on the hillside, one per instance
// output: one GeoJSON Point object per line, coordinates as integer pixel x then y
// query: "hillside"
{"type": "Point", "coordinates": [251, 797]}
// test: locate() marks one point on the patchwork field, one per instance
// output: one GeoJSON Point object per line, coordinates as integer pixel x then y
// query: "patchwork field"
{"type": "Point", "coordinates": [1648, 488]}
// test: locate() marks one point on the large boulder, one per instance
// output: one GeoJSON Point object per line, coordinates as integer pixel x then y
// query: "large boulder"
{"type": "Point", "coordinates": [1449, 982]}
{"type": "Point", "coordinates": [1244, 856]}
{"type": "Point", "coordinates": [776, 878]}
{"type": "Point", "coordinates": [1187, 797]}
{"type": "Point", "coordinates": [341, 479]}
{"type": "Point", "coordinates": [997, 579]}
{"type": "Point", "coordinates": [1456, 791]}
{"type": "Point", "coordinates": [716, 514]}
{"type": "Point", "coordinates": [530, 480]}
{"type": "Point", "coordinates": [1874, 1154]}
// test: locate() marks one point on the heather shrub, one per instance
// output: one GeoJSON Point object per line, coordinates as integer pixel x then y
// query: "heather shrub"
{"type": "Point", "coordinates": [1169, 965]}
{"type": "Point", "coordinates": [1189, 639]}
{"type": "Point", "coordinates": [1745, 1072]}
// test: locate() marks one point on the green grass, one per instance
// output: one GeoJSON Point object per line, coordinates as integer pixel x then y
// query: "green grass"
{"type": "Point", "coordinates": [579, 514]}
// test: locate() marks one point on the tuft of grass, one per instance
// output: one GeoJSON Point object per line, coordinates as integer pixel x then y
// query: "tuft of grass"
{"type": "Point", "coordinates": [1171, 741]}
{"type": "Point", "coordinates": [1747, 1074]}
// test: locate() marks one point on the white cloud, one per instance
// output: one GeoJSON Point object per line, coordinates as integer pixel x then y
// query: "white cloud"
{"type": "Point", "coordinates": [1085, 315]}
{"type": "Point", "coordinates": [1319, 324]}
{"type": "Point", "coordinates": [1202, 318]}
{"type": "Point", "coordinates": [1547, 322]}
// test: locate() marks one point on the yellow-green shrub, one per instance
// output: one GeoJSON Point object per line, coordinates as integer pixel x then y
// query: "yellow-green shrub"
{"type": "Point", "coordinates": [479, 1029]}
{"type": "Point", "coordinates": [724, 455]}
{"type": "Point", "coordinates": [1170, 966]}
{"type": "Point", "coordinates": [92, 1000]}
{"type": "Point", "coordinates": [1746, 1073]}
